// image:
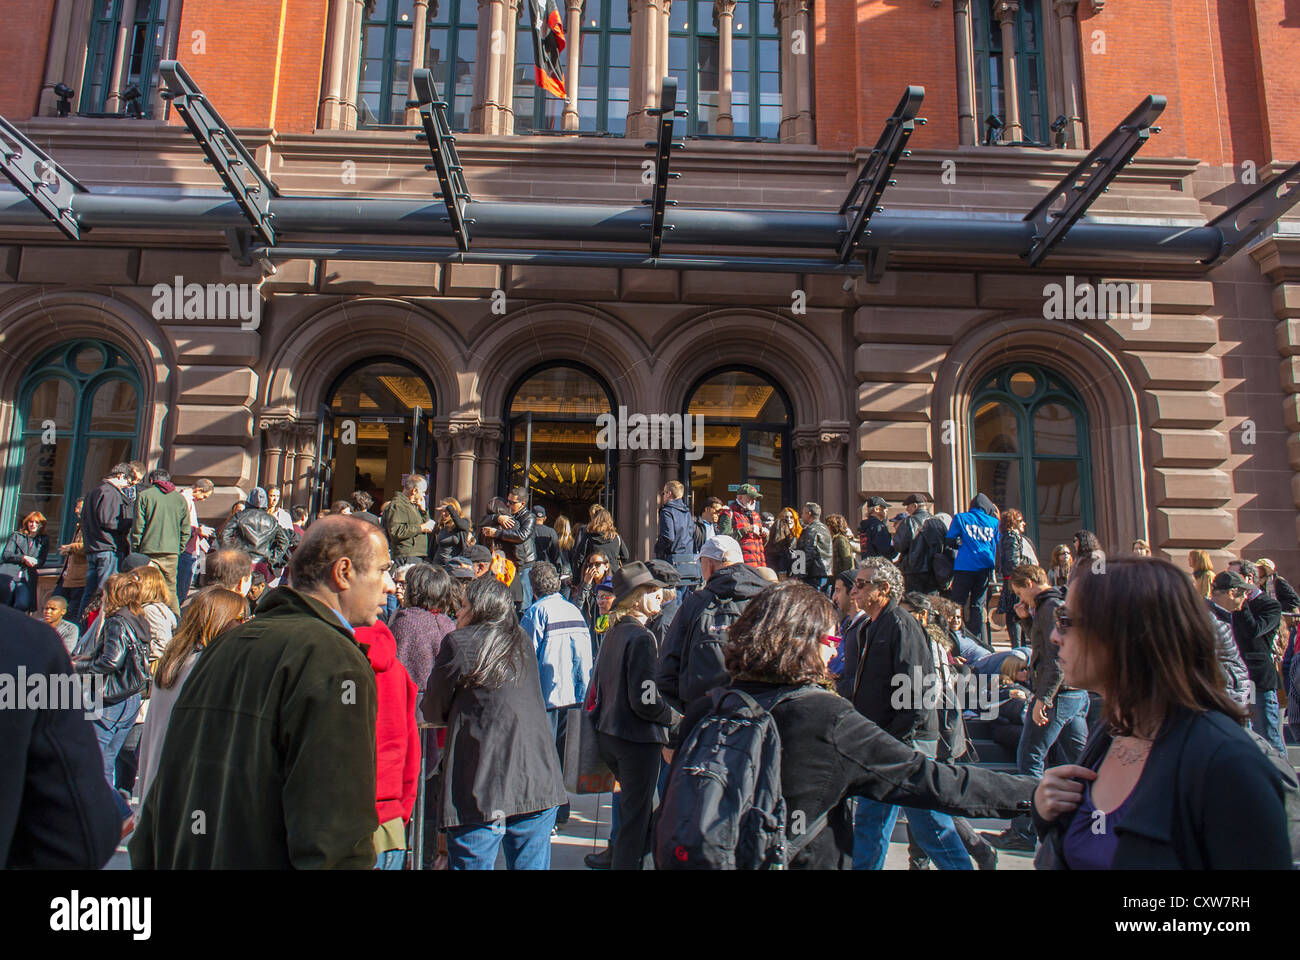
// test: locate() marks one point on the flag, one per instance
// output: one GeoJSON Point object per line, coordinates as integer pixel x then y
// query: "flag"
{"type": "Point", "coordinates": [548, 41]}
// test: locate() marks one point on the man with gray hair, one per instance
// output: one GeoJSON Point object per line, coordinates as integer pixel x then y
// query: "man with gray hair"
{"type": "Point", "coordinates": [691, 663]}
{"type": "Point", "coordinates": [406, 521]}
{"type": "Point", "coordinates": [812, 551]}
{"type": "Point", "coordinates": [895, 672]}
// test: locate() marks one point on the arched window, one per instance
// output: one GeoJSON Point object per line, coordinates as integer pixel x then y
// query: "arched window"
{"type": "Point", "coordinates": [551, 445]}
{"type": "Point", "coordinates": [387, 39]}
{"type": "Point", "coordinates": [377, 421]}
{"type": "Point", "coordinates": [746, 430]}
{"type": "Point", "coordinates": [1029, 450]}
{"type": "Point", "coordinates": [143, 53]}
{"type": "Point", "coordinates": [78, 415]}
{"type": "Point", "coordinates": [990, 67]}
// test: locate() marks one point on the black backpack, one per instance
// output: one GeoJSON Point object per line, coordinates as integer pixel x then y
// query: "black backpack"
{"type": "Point", "coordinates": [723, 808]}
{"type": "Point", "coordinates": [703, 665]}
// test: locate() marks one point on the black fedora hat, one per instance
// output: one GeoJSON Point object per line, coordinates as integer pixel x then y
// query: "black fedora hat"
{"type": "Point", "coordinates": [631, 577]}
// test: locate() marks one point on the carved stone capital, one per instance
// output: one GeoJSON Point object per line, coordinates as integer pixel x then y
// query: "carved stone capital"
{"type": "Point", "coordinates": [834, 443]}
{"type": "Point", "coordinates": [1006, 10]}
{"type": "Point", "coordinates": [805, 449]}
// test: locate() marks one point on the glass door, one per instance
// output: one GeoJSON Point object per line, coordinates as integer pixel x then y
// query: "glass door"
{"type": "Point", "coordinates": [323, 468]}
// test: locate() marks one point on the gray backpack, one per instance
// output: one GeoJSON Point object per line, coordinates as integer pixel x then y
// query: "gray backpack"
{"type": "Point", "coordinates": [723, 808]}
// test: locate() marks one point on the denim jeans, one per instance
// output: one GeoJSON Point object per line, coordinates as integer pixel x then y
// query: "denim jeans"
{"type": "Point", "coordinates": [526, 584]}
{"type": "Point", "coordinates": [1066, 727]}
{"type": "Point", "coordinates": [1265, 719]}
{"type": "Point", "coordinates": [185, 574]}
{"type": "Point", "coordinates": [390, 860]}
{"type": "Point", "coordinates": [111, 730]}
{"type": "Point", "coordinates": [17, 594]}
{"type": "Point", "coordinates": [934, 832]}
{"type": "Point", "coordinates": [526, 836]}
{"type": "Point", "coordinates": [969, 590]}
{"type": "Point", "coordinates": [100, 565]}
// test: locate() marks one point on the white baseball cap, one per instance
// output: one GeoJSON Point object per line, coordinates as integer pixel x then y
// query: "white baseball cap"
{"type": "Point", "coordinates": [722, 548]}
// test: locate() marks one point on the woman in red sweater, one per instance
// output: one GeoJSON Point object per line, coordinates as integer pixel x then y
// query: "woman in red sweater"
{"type": "Point", "coordinates": [397, 745]}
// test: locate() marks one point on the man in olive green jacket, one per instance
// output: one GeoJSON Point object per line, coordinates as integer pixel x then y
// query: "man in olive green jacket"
{"type": "Point", "coordinates": [162, 528]}
{"type": "Point", "coordinates": [406, 521]}
{"type": "Point", "coordinates": [269, 759]}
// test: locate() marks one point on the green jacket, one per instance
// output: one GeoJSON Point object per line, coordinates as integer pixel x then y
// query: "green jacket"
{"type": "Point", "coordinates": [402, 521]}
{"type": "Point", "coordinates": [269, 759]}
{"type": "Point", "coordinates": [162, 522]}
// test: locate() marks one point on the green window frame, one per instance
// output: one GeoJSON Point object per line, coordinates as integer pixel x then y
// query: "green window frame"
{"type": "Point", "coordinates": [755, 71]}
{"type": "Point", "coordinates": [1031, 81]}
{"type": "Point", "coordinates": [387, 41]}
{"type": "Point", "coordinates": [604, 75]}
{"type": "Point", "coordinates": [49, 477]}
{"type": "Point", "coordinates": [143, 51]}
{"type": "Point", "coordinates": [693, 58]}
{"type": "Point", "coordinates": [1033, 398]}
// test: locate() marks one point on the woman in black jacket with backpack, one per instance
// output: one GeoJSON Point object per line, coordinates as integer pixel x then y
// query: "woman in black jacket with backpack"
{"type": "Point", "coordinates": [829, 751]}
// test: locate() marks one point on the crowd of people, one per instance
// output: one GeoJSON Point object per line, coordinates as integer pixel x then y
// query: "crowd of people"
{"type": "Point", "coordinates": [274, 691]}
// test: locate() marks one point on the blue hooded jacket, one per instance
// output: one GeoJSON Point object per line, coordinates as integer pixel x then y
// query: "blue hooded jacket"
{"type": "Point", "coordinates": [977, 533]}
{"type": "Point", "coordinates": [676, 532]}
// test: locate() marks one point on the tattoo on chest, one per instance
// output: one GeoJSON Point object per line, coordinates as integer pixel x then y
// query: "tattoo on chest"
{"type": "Point", "coordinates": [1127, 754]}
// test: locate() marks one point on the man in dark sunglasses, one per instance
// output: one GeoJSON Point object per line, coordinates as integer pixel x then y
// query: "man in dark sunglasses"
{"type": "Point", "coordinates": [1058, 714]}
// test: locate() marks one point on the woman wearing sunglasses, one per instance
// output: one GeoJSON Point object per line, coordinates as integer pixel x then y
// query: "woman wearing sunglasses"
{"type": "Point", "coordinates": [782, 643]}
{"type": "Point", "coordinates": [1171, 780]}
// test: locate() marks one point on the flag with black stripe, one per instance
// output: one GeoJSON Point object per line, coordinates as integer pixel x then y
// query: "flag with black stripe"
{"type": "Point", "coordinates": [548, 42]}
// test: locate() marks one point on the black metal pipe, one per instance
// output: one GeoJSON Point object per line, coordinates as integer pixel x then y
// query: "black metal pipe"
{"type": "Point", "coordinates": [592, 223]}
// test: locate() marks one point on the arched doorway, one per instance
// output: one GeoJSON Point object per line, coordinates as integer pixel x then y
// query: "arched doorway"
{"type": "Point", "coordinates": [375, 429]}
{"type": "Point", "coordinates": [1029, 450]}
{"type": "Point", "coordinates": [746, 438]}
{"type": "Point", "coordinates": [78, 415]}
{"type": "Point", "coordinates": [551, 440]}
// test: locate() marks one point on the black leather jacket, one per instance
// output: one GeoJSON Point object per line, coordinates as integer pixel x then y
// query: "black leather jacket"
{"type": "Point", "coordinates": [259, 535]}
{"type": "Point", "coordinates": [624, 681]}
{"type": "Point", "coordinates": [520, 540]}
{"type": "Point", "coordinates": [111, 655]}
{"type": "Point", "coordinates": [815, 542]}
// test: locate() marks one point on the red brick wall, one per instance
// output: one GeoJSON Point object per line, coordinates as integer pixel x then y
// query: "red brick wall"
{"type": "Point", "coordinates": [237, 71]}
{"type": "Point", "coordinates": [1275, 34]}
{"type": "Point", "coordinates": [23, 51]}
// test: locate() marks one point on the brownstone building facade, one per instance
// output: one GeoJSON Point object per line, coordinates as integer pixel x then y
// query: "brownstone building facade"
{"type": "Point", "coordinates": [946, 373]}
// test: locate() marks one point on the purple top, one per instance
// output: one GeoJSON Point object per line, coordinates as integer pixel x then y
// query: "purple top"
{"type": "Point", "coordinates": [419, 634]}
{"type": "Point", "coordinates": [1090, 839]}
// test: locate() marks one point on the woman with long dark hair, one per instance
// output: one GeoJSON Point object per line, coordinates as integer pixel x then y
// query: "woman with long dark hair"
{"type": "Point", "coordinates": [602, 537]}
{"type": "Point", "coordinates": [212, 611]}
{"type": "Point", "coordinates": [501, 779]}
{"type": "Point", "coordinates": [1172, 775]}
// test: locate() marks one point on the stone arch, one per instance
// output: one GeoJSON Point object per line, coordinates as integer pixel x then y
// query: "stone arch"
{"type": "Point", "coordinates": [35, 323]}
{"type": "Point", "coordinates": [321, 345]}
{"type": "Point", "coordinates": [1098, 375]}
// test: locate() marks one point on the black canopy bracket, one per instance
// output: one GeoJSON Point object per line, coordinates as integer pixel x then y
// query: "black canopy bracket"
{"type": "Point", "coordinates": [224, 150]}
{"type": "Point", "coordinates": [667, 112]}
{"type": "Point", "coordinates": [873, 179]}
{"type": "Point", "coordinates": [446, 162]}
{"type": "Point", "coordinates": [40, 178]}
{"type": "Point", "coordinates": [1260, 209]}
{"type": "Point", "coordinates": [1089, 179]}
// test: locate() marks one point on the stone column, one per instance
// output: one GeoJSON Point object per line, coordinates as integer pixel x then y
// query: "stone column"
{"type": "Point", "coordinates": [171, 34]}
{"type": "Point", "coordinates": [807, 441]}
{"type": "Point", "coordinates": [329, 116]}
{"type": "Point", "coordinates": [573, 62]}
{"type": "Point", "coordinates": [628, 498]}
{"type": "Point", "coordinates": [511, 27]}
{"type": "Point", "coordinates": [661, 65]}
{"type": "Point", "coordinates": [834, 443]}
{"type": "Point", "coordinates": [968, 124]}
{"type": "Point", "coordinates": [649, 481]}
{"type": "Point", "coordinates": [419, 44]}
{"type": "Point", "coordinates": [645, 52]}
{"type": "Point", "coordinates": [487, 76]}
{"type": "Point", "coordinates": [117, 76]}
{"type": "Point", "coordinates": [56, 58]}
{"type": "Point", "coordinates": [464, 437]}
{"type": "Point", "coordinates": [300, 438]}
{"type": "Point", "coordinates": [442, 437]}
{"type": "Point", "coordinates": [1006, 11]}
{"type": "Point", "coordinates": [273, 450]}
{"type": "Point", "coordinates": [490, 437]}
{"type": "Point", "coordinates": [1071, 91]}
{"type": "Point", "coordinates": [350, 109]}
{"type": "Point", "coordinates": [805, 131]}
{"type": "Point", "coordinates": [725, 11]}
{"type": "Point", "coordinates": [796, 72]}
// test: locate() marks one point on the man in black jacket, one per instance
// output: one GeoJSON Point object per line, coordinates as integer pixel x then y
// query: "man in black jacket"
{"type": "Point", "coordinates": [919, 580]}
{"type": "Point", "coordinates": [57, 811]}
{"type": "Point", "coordinates": [691, 664]}
{"type": "Point", "coordinates": [547, 543]}
{"type": "Point", "coordinates": [1056, 712]}
{"type": "Point", "coordinates": [105, 523]}
{"type": "Point", "coordinates": [892, 687]}
{"type": "Point", "coordinates": [515, 533]}
{"type": "Point", "coordinates": [813, 549]}
{"type": "Point", "coordinates": [874, 532]}
{"type": "Point", "coordinates": [1255, 626]}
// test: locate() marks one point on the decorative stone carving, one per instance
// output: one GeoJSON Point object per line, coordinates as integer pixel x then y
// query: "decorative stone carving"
{"type": "Point", "coordinates": [805, 448]}
{"type": "Point", "coordinates": [834, 443]}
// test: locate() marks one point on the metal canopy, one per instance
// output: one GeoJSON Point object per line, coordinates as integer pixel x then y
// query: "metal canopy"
{"type": "Point", "coordinates": [258, 219]}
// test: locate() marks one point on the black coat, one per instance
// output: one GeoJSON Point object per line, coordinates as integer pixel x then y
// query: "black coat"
{"type": "Point", "coordinates": [628, 703]}
{"type": "Point", "coordinates": [56, 809]}
{"type": "Point", "coordinates": [548, 545]}
{"type": "Point", "coordinates": [829, 752]}
{"type": "Point", "coordinates": [907, 531]}
{"type": "Point", "coordinates": [1208, 799]}
{"type": "Point", "coordinates": [1254, 627]}
{"type": "Point", "coordinates": [518, 542]}
{"type": "Point", "coordinates": [453, 541]}
{"type": "Point", "coordinates": [876, 539]}
{"type": "Point", "coordinates": [21, 545]}
{"type": "Point", "coordinates": [499, 759]}
{"type": "Point", "coordinates": [851, 644]}
{"type": "Point", "coordinates": [259, 535]}
{"type": "Point", "coordinates": [895, 646]}
{"type": "Point", "coordinates": [105, 520]}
